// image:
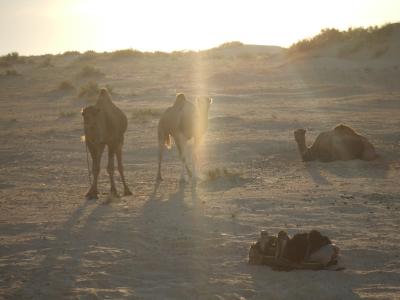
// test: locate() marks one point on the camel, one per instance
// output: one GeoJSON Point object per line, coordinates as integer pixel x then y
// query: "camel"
{"type": "Point", "coordinates": [183, 121]}
{"type": "Point", "coordinates": [341, 143]}
{"type": "Point", "coordinates": [105, 125]}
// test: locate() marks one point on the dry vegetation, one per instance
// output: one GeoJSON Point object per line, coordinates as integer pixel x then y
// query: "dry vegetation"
{"type": "Point", "coordinates": [359, 38]}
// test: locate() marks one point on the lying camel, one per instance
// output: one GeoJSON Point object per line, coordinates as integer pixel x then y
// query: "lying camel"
{"type": "Point", "coordinates": [183, 121]}
{"type": "Point", "coordinates": [341, 143]}
{"type": "Point", "coordinates": [105, 124]}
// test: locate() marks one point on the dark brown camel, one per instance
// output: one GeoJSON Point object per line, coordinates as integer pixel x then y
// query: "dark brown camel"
{"type": "Point", "coordinates": [105, 125]}
{"type": "Point", "coordinates": [341, 143]}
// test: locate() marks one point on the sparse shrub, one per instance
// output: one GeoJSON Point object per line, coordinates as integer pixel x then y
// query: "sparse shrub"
{"type": "Point", "coordinates": [65, 86]}
{"type": "Point", "coordinates": [46, 62]}
{"type": "Point", "coordinates": [11, 58]}
{"type": "Point", "coordinates": [233, 44]}
{"type": "Point", "coordinates": [89, 91]}
{"type": "Point", "coordinates": [90, 71]}
{"type": "Point", "coordinates": [141, 115]}
{"type": "Point", "coordinates": [125, 53]}
{"type": "Point", "coordinates": [4, 64]}
{"type": "Point", "coordinates": [68, 114]}
{"type": "Point", "coordinates": [71, 53]}
{"type": "Point", "coordinates": [380, 52]}
{"type": "Point", "coordinates": [11, 72]}
{"type": "Point", "coordinates": [360, 37]}
{"type": "Point", "coordinates": [217, 173]}
{"type": "Point", "coordinates": [87, 56]}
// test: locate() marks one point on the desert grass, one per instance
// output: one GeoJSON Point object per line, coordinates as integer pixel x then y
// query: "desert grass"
{"type": "Point", "coordinates": [65, 86]}
{"type": "Point", "coordinates": [90, 71]}
{"type": "Point", "coordinates": [143, 115]}
{"type": "Point", "coordinates": [89, 91]}
{"type": "Point", "coordinates": [222, 173]}
{"type": "Point", "coordinates": [11, 73]}
{"type": "Point", "coordinates": [359, 37]}
{"type": "Point", "coordinates": [67, 114]}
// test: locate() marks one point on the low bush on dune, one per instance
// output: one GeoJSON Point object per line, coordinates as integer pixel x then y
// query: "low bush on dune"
{"type": "Point", "coordinates": [71, 53]}
{"type": "Point", "coordinates": [11, 59]}
{"type": "Point", "coordinates": [46, 62]}
{"type": "Point", "coordinates": [221, 173]}
{"type": "Point", "coordinates": [67, 114]}
{"type": "Point", "coordinates": [89, 91]}
{"type": "Point", "coordinates": [126, 53]}
{"type": "Point", "coordinates": [359, 37]}
{"type": "Point", "coordinates": [11, 73]}
{"type": "Point", "coordinates": [65, 86]}
{"type": "Point", "coordinates": [90, 71]}
{"type": "Point", "coordinates": [141, 115]}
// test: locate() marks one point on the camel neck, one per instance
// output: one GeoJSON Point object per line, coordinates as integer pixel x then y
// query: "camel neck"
{"type": "Point", "coordinates": [301, 144]}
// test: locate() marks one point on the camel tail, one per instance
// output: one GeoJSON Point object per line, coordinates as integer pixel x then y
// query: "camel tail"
{"type": "Point", "coordinates": [164, 139]}
{"type": "Point", "coordinates": [167, 141]}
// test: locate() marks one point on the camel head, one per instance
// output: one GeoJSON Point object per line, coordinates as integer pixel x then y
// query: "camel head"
{"type": "Point", "coordinates": [282, 241]}
{"type": "Point", "coordinates": [104, 94]}
{"type": "Point", "coordinates": [90, 123]}
{"type": "Point", "coordinates": [300, 135]}
{"type": "Point", "coordinates": [203, 103]}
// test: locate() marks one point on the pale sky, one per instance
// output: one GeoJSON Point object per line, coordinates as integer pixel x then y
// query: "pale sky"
{"type": "Point", "coordinates": [54, 26]}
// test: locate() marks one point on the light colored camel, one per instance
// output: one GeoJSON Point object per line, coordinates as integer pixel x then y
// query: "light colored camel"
{"type": "Point", "coordinates": [105, 125]}
{"type": "Point", "coordinates": [341, 143]}
{"type": "Point", "coordinates": [183, 121]}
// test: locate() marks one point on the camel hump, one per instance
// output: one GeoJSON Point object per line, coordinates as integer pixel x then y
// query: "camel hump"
{"type": "Point", "coordinates": [344, 130]}
{"type": "Point", "coordinates": [180, 100]}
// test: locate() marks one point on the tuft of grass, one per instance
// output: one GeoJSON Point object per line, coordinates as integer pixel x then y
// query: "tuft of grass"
{"type": "Point", "coordinates": [46, 63]}
{"type": "Point", "coordinates": [141, 115]}
{"type": "Point", "coordinates": [90, 71]}
{"type": "Point", "coordinates": [89, 91]}
{"type": "Point", "coordinates": [126, 53]}
{"type": "Point", "coordinates": [359, 37]}
{"type": "Point", "coordinates": [65, 86]}
{"type": "Point", "coordinates": [217, 173]}
{"type": "Point", "coordinates": [71, 53]}
{"type": "Point", "coordinates": [11, 72]}
{"type": "Point", "coordinates": [11, 58]}
{"type": "Point", "coordinates": [68, 114]}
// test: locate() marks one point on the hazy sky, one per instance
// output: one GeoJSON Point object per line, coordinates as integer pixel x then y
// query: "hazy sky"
{"type": "Point", "coordinates": [55, 26]}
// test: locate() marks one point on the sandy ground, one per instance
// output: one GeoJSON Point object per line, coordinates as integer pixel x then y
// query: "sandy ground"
{"type": "Point", "coordinates": [174, 241]}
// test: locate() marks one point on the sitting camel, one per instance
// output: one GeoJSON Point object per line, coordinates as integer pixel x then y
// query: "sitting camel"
{"type": "Point", "coordinates": [183, 121]}
{"type": "Point", "coordinates": [341, 143]}
{"type": "Point", "coordinates": [105, 124]}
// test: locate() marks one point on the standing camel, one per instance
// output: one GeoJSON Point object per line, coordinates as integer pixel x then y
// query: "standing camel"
{"type": "Point", "coordinates": [183, 121]}
{"type": "Point", "coordinates": [341, 143]}
{"type": "Point", "coordinates": [105, 125]}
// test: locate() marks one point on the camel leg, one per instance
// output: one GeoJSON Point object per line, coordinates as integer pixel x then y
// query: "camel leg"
{"type": "Point", "coordinates": [181, 145]}
{"type": "Point", "coordinates": [195, 158]}
{"type": "Point", "coordinates": [127, 191]}
{"type": "Point", "coordinates": [96, 154]}
{"type": "Point", "coordinates": [160, 157]}
{"type": "Point", "coordinates": [110, 170]}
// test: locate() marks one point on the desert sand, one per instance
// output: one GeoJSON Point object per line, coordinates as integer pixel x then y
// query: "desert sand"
{"type": "Point", "coordinates": [191, 241]}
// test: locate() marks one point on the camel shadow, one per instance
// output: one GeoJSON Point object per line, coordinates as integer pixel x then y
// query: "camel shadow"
{"type": "Point", "coordinates": [348, 169]}
{"type": "Point", "coordinates": [315, 174]}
